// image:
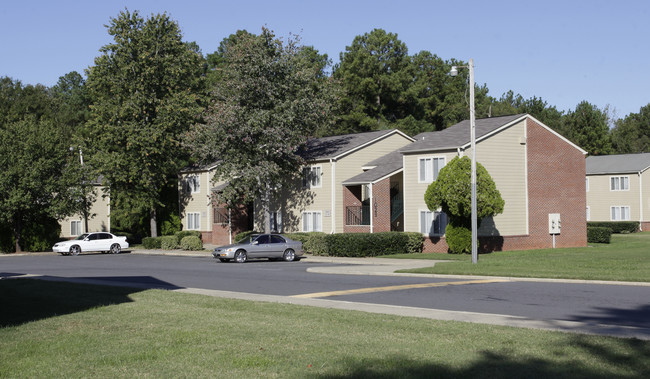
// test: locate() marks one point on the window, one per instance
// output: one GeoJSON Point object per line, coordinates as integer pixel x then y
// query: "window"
{"type": "Point", "coordinates": [75, 228]}
{"type": "Point", "coordinates": [276, 222]}
{"type": "Point", "coordinates": [619, 183]}
{"type": "Point", "coordinates": [429, 168]}
{"type": "Point", "coordinates": [620, 213]}
{"type": "Point", "coordinates": [588, 213]}
{"type": "Point", "coordinates": [433, 223]}
{"type": "Point", "coordinates": [193, 184]}
{"type": "Point", "coordinates": [587, 184]}
{"type": "Point", "coordinates": [193, 221]}
{"type": "Point", "coordinates": [311, 177]}
{"type": "Point", "coordinates": [277, 239]}
{"type": "Point", "coordinates": [312, 222]}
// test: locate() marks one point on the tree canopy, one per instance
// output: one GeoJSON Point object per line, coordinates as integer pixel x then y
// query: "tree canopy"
{"type": "Point", "coordinates": [270, 100]}
{"type": "Point", "coordinates": [146, 90]}
{"type": "Point", "coordinates": [632, 134]}
{"type": "Point", "coordinates": [587, 127]}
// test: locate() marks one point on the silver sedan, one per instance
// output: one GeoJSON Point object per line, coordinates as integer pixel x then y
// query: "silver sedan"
{"type": "Point", "coordinates": [272, 246]}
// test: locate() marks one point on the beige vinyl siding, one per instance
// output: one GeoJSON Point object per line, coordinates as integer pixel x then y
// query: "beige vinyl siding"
{"type": "Point", "coordinates": [600, 198]}
{"type": "Point", "coordinates": [414, 190]}
{"type": "Point", "coordinates": [334, 173]}
{"type": "Point", "coordinates": [199, 202]}
{"type": "Point", "coordinates": [98, 223]}
{"type": "Point", "coordinates": [350, 165]}
{"type": "Point", "coordinates": [504, 156]}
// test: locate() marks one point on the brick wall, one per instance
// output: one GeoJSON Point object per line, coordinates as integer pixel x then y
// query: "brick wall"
{"type": "Point", "coordinates": [556, 184]}
{"type": "Point", "coordinates": [220, 234]}
{"type": "Point", "coordinates": [380, 209]}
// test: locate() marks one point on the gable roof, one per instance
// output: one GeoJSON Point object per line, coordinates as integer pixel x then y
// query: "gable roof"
{"type": "Point", "coordinates": [335, 147]}
{"type": "Point", "coordinates": [458, 135]}
{"type": "Point", "coordinates": [617, 164]}
{"type": "Point", "coordinates": [381, 167]}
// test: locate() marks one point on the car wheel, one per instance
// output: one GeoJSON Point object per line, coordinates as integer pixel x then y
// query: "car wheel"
{"type": "Point", "coordinates": [289, 255]}
{"type": "Point", "coordinates": [240, 256]}
{"type": "Point", "coordinates": [115, 248]}
{"type": "Point", "coordinates": [224, 260]}
{"type": "Point", "coordinates": [75, 250]}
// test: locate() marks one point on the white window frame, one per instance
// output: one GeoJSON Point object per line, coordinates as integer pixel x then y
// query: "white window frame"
{"type": "Point", "coordinates": [307, 221]}
{"type": "Point", "coordinates": [194, 221]}
{"type": "Point", "coordinates": [193, 183]}
{"type": "Point", "coordinates": [619, 183]}
{"type": "Point", "coordinates": [427, 172]}
{"type": "Point", "coordinates": [79, 228]}
{"type": "Point", "coordinates": [276, 217]}
{"type": "Point", "coordinates": [587, 184]}
{"type": "Point", "coordinates": [619, 213]}
{"type": "Point", "coordinates": [428, 228]}
{"type": "Point", "coordinates": [312, 176]}
{"type": "Point", "coordinates": [588, 213]}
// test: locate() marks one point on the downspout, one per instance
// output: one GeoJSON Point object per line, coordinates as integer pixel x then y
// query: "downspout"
{"type": "Point", "coordinates": [333, 205]}
{"type": "Point", "coordinates": [640, 202]}
{"type": "Point", "coordinates": [229, 226]}
{"type": "Point", "coordinates": [372, 214]}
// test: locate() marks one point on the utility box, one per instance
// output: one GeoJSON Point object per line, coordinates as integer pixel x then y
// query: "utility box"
{"type": "Point", "coordinates": [554, 223]}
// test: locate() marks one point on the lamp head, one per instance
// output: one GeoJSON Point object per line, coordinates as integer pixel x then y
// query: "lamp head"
{"type": "Point", "coordinates": [453, 71]}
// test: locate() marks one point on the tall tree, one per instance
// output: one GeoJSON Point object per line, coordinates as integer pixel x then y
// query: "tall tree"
{"type": "Point", "coordinates": [373, 72]}
{"type": "Point", "coordinates": [632, 134]}
{"type": "Point", "coordinates": [270, 101]}
{"type": "Point", "coordinates": [587, 127]}
{"type": "Point", "coordinates": [39, 178]}
{"type": "Point", "coordinates": [71, 101]}
{"type": "Point", "coordinates": [146, 90]}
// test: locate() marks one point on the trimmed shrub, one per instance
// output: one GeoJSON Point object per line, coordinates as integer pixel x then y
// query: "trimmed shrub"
{"type": "Point", "coordinates": [184, 233]}
{"type": "Point", "coordinates": [151, 242]}
{"type": "Point", "coordinates": [616, 226]}
{"type": "Point", "coordinates": [459, 239]}
{"type": "Point", "coordinates": [370, 244]}
{"type": "Point", "coordinates": [171, 226]}
{"type": "Point", "coordinates": [598, 234]}
{"type": "Point", "coordinates": [191, 243]}
{"type": "Point", "coordinates": [310, 241]}
{"type": "Point", "coordinates": [414, 242]}
{"type": "Point", "coordinates": [168, 242]}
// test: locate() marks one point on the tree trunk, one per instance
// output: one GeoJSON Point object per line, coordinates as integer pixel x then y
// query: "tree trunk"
{"type": "Point", "coordinates": [153, 222]}
{"type": "Point", "coordinates": [265, 208]}
{"type": "Point", "coordinates": [18, 231]}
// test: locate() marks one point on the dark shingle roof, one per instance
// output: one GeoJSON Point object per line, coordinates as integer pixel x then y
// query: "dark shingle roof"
{"type": "Point", "coordinates": [458, 135]}
{"type": "Point", "coordinates": [382, 167]}
{"type": "Point", "coordinates": [615, 164]}
{"type": "Point", "coordinates": [332, 147]}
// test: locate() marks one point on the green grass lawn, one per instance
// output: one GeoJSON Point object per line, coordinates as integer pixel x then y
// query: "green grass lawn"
{"type": "Point", "coordinates": [50, 329]}
{"type": "Point", "coordinates": [626, 258]}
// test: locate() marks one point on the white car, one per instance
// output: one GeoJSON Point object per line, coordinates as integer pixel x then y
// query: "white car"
{"type": "Point", "coordinates": [101, 241]}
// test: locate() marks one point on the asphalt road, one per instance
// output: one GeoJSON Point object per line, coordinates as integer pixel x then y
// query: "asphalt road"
{"type": "Point", "coordinates": [597, 308]}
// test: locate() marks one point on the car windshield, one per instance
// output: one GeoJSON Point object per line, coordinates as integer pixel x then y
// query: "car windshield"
{"type": "Point", "coordinates": [81, 237]}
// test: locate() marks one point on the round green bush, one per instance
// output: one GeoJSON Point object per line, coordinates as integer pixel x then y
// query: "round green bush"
{"type": "Point", "coordinates": [151, 242]}
{"type": "Point", "coordinates": [191, 243]}
{"type": "Point", "coordinates": [459, 239]}
{"type": "Point", "coordinates": [168, 242]}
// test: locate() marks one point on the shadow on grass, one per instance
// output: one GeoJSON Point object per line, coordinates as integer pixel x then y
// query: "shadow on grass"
{"type": "Point", "coordinates": [628, 360]}
{"type": "Point", "coordinates": [26, 300]}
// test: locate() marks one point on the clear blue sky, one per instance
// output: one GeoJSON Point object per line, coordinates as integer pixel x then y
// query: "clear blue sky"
{"type": "Point", "coordinates": [562, 51]}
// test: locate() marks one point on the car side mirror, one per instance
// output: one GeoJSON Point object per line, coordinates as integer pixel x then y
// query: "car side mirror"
{"type": "Point", "coordinates": [254, 243]}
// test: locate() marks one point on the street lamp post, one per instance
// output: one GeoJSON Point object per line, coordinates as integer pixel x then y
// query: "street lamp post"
{"type": "Point", "coordinates": [472, 126]}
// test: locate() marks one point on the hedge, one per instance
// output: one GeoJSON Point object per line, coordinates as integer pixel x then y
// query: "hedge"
{"type": "Point", "coordinates": [354, 244]}
{"type": "Point", "coordinates": [184, 233]}
{"type": "Point", "coordinates": [191, 243]}
{"type": "Point", "coordinates": [598, 234]}
{"type": "Point", "coordinates": [168, 242]}
{"type": "Point", "coordinates": [616, 226]}
{"type": "Point", "coordinates": [151, 242]}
